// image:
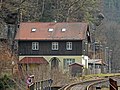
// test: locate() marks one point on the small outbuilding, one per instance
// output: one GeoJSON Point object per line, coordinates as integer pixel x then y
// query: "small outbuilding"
{"type": "Point", "coordinates": [95, 66]}
{"type": "Point", "coordinates": [76, 69]}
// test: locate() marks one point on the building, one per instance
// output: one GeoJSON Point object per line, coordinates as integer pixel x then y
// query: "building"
{"type": "Point", "coordinates": [76, 69]}
{"type": "Point", "coordinates": [95, 66]}
{"type": "Point", "coordinates": [60, 44]}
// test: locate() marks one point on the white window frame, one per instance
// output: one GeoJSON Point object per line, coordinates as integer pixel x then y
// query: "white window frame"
{"type": "Point", "coordinates": [35, 45]}
{"type": "Point", "coordinates": [50, 29]}
{"type": "Point", "coordinates": [67, 62]}
{"type": "Point", "coordinates": [33, 29]}
{"type": "Point", "coordinates": [55, 46]}
{"type": "Point", "coordinates": [63, 30]}
{"type": "Point", "coordinates": [69, 45]}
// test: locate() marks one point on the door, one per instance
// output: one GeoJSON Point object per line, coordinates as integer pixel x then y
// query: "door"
{"type": "Point", "coordinates": [54, 63]}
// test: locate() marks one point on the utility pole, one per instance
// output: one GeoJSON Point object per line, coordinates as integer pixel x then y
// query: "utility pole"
{"type": "Point", "coordinates": [93, 27]}
{"type": "Point", "coordinates": [106, 57]}
{"type": "Point", "coordinates": [94, 57]}
{"type": "Point", "coordinates": [109, 61]}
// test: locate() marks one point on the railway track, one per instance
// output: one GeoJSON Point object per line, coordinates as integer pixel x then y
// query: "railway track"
{"type": "Point", "coordinates": [85, 85]}
{"type": "Point", "coordinates": [81, 85]}
{"type": "Point", "coordinates": [90, 85]}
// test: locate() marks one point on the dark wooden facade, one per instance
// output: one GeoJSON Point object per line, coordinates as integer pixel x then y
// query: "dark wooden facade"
{"type": "Point", "coordinates": [76, 69]}
{"type": "Point", "coordinates": [45, 48]}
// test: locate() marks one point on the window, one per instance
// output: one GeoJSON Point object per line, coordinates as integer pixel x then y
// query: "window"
{"type": "Point", "coordinates": [50, 29]}
{"type": "Point", "coordinates": [54, 45]}
{"type": "Point", "coordinates": [63, 30]}
{"type": "Point", "coordinates": [97, 66]}
{"type": "Point", "coordinates": [67, 62]}
{"type": "Point", "coordinates": [35, 46]}
{"type": "Point", "coordinates": [55, 63]}
{"type": "Point", "coordinates": [69, 45]}
{"type": "Point", "coordinates": [33, 29]}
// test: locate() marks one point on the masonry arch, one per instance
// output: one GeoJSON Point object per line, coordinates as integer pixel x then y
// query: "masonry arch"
{"type": "Point", "coordinates": [54, 63]}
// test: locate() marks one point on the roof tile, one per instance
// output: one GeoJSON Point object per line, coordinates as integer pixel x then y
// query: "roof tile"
{"type": "Point", "coordinates": [73, 31]}
{"type": "Point", "coordinates": [33, 60]}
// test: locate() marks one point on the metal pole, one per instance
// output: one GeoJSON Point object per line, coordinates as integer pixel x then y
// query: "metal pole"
{"type": "Point", "coordinates": [110, 51]}
{"type": "Point", "coordinates": [93, 26]}
{"type": "Point", "coordinates": [106, 57]}
{"type": "Point", "coordinates": [94, 57]}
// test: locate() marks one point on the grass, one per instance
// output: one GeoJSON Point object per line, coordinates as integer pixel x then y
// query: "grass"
{"type": "Point", "coordinates": [95, 76]}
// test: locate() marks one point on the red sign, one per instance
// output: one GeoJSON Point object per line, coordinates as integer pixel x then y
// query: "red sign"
{"type": "Point", "coordinates": [29, 80]}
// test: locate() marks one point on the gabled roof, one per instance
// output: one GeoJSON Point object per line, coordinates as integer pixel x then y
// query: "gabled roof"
{"type": "Point", "coordinates": [96, 61]}
{"type": "Point", "coordinates": [71, 31]}
{"type": "Point", "coordinates": [33, 60]}
{"type": "Point", "coordinates": [76, 64]}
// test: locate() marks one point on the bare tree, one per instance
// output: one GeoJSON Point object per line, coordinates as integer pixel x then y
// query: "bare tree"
{"type": "Point", "coordinates": [5, 57]}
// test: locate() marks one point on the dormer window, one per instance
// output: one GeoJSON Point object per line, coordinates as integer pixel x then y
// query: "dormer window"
{"type": "Point", "coordinates": [63, 29]}
{"type": "Point", "coordinates": [33, 29]}
{"type": "Point", "coordinates": [50, 29]}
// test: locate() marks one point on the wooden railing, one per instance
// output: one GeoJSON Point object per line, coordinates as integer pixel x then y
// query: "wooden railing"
{"type": "Point", "coordinates": [41, 85]}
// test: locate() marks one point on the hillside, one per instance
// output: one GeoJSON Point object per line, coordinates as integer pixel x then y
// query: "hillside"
{"type": "Point", "coordinates": [108, 32]}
